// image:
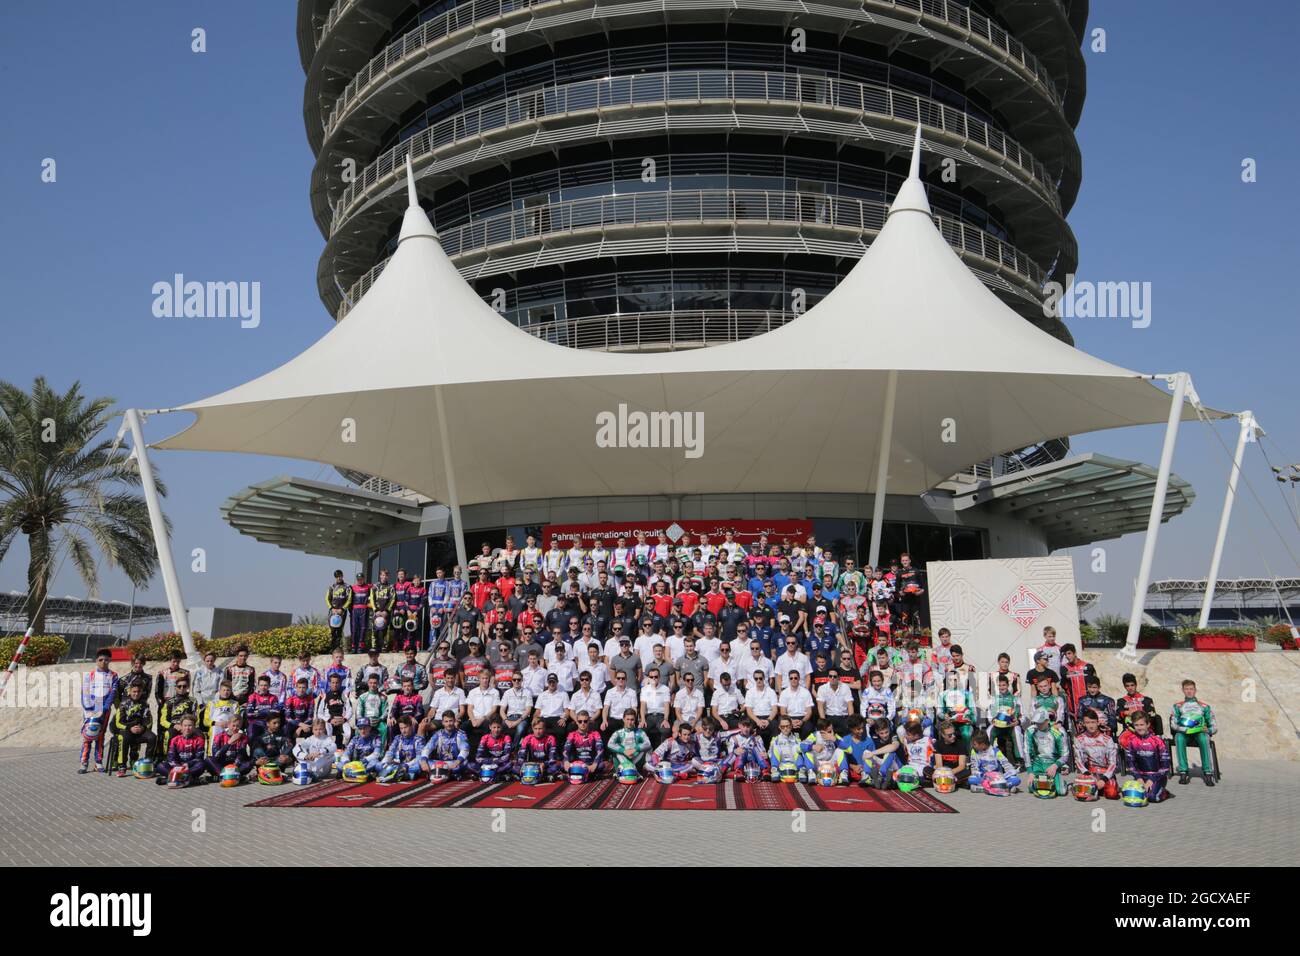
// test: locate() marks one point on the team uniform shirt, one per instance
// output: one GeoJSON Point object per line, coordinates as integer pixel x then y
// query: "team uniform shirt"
{"type": "Point", "coordinates": [448, 698]}
{"type": "Point", "coordinates": [788, 662]}
{"type": "Point", "coordinates": [516, 704]}
{"type": "Point", "coordinates": [878, 703]}
{"type": "Point", "coordinates": [763, 704]}
{"type": "Point", "coordinates": [618, 701]}
{"type": "Point", "coordinates": [689, 705]}
{"type": "Point", "coordinates": [1095, 753]}
{"type": "Point", "coordinates": [750, 664]}
{"type": "Point", "coordinates": [796, 702]}
{"type": "Point", "coordinates": [98, 691]}
{"type": "Point", "coordinates": [656, 698]}
{"type": "Point", "coordinates": [551, 703]}
{"type": "Point", "coordinates": [448, 746]}
{"type": "Point", "coordinates": [917, 753]}
{"type": "Point", "coordinates": [534, 680]}
{"type": "Point", "coordinates": [585, 700]}
{"type": "Point", "coordinates": [644, 647]}
{"type": "Point", "coordinates": [838, 701]}
{"type": "Point", "coordinates": [585, 748]}
{"type": "Point", "coordinates": [1053, 652]}
{"type": "Point", "coordinates": [566, 672]}
{"type": "Point", "coordinates": [600, 678]}
{"type": "Point", "coordinates": [728, 703]}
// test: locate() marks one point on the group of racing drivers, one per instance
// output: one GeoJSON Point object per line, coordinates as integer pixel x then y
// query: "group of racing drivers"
{"type": "Point", "coordinates": [695, 661]}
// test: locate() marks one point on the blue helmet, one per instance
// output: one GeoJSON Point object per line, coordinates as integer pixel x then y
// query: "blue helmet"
{"type": "Point", "coordinates": [301, 774]}
{"type": "Point", "coordinates": [578, 772]}
{"type": "Point", "coordinates": [627, 774]}
{"type": "Point", "coordinates": [664, 772]}
{"type": "Point", "coordinates": [487, 773]}
{"type": "Point", "coordinates": [530, 774]}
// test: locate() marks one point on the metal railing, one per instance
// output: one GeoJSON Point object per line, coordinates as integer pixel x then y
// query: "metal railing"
{"type": "Point", "coordinates": [726, 206]}
{"type": "Point", "coordinates": [1019, 462]}
{"type": "Point", "coordinates": [659, 331]}
{"type": "Point", "coordinates": [699, 87]}
{"type": "Point", "coordinates": [943, 13]}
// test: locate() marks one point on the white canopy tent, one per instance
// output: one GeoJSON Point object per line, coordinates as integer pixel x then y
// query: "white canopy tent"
{"type": "Point", "coordinates": [909, 370]}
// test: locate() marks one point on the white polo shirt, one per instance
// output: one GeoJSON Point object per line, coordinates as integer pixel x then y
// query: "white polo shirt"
{"type": "Point", "coordinates": [483, 702]}
{"type": "Point", "coordinates": [567, 673]}
{"type": "Point", "coordinates": [656, 698]}
{"type": "Point", "coordinates": [689, 705]}
{"type": "Point", "coordinates": [750, 664]}
{"type": "Point", "coordinates": [516, 703]}
{"type": "Point", "coordinates": [644, 646]}
{"type": "Point", "coordinates": [620, 700]}
{"type": "Point", "coordinates": [787, 662]}
{"type": "Point", "coordinates": [762, 703]}
{"type": "Point", "coordinates": [552, 703]}
{"type": "Point", "coordinates": [796, 702]}
{"type": "Point", "coordinates": [588, 701]}
{"type": "Point", "coordinates": [727, 701]}
{"type": "Point", "coordinates": [838, 701]}
{"type": "Point", "coordinates": [445, 699]}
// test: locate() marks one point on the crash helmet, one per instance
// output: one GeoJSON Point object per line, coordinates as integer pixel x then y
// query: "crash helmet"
{"type": "Point", "coordinates": [664, 773]}
{"type": "Point", "coordinates": [1190, 724]}
{"type": "Point", "coordinates": [907, 779]}
{"type": "Point", "coordinates": [439, 770]}
{"type": "Point", "coordinates": [336, 619]}
{"type": "Point", "coordinates": [178, 777]}
{"type": "Point", "coordinates": [1133, 793]}
{"type": "Point", "coordinates": [390, 773]}
{"type": "Point", "coordinates": [1085, 788]}
{"type": "Point", "coordinates": [711, 773]}
{"type": "Point", "coordinates": [487, 773]}
{"type": "Point", "coordinates": [412, 623]}
{"type": "Point", "coordinates": [530, 774]}
{"type": "Point", "coordinates": [578, 772]}
{"type": "Point", "coordinates": [270, 775]}
{"type": "Point", "coordinates": [92, 728]}
{"type": "Point", "coordinates": [143, 768]}
{"type": "Point", "coordinates": [230, 775]}
{"type": "Point", "coordinates": [753, 772]}
{"type": "Point", "coordinates": [826, 774]}
{"type": "Point", "coordinates": [1004, 717]}
{"type": "Point", "coordinates": [995, 785]}
{"type": "Point", "coordinates": [628, 775]}
{"type": "Point", "coordinates": [381, 621]}
{"type": "Point", "coordinates": [355, 772]}
{"type": "Point", "coordinates": [788, 773]}
{"type": "Point", "coordinates": [1043, 786]}
{"type": "Point", "coordinates": [945, 780]}
{"type": "Point", "coordinates": [301, 774]}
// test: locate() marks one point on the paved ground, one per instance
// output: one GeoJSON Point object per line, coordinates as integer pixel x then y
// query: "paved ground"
{"type": "Point", "coordinates": [51, 816]}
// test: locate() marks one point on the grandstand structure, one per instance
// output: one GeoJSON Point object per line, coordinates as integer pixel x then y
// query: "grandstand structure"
{"type": "Point", "coordinates": [1238, 602]}
{"type": "Point", "coordinates": [86, 624]}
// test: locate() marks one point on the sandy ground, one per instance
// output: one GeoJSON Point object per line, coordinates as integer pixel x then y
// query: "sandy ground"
{"type": "Point", "coordinates": [1256, 697]}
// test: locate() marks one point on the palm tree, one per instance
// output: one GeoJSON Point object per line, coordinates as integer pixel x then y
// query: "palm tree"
{"type": "Point", "coordinates": [65, 487]}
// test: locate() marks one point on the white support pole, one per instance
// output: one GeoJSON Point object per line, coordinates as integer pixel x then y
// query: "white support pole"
{"type": "Point", "coordinates": [1180, 382]}
{"type": "Point", "coordinates": [171, 584]}
{"type": "Point", "coordinates": [1247, 433]}
{"type": "Point", "coordinates": [453, 499]}
{"type": "Point", "coordinates": [882, 469]}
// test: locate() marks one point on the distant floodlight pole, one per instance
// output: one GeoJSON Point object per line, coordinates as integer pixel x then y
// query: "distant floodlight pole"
{"type": "Point", "coordinates": [1249, 427]}
{"type": "Point", "coordinates": [1180, 381]}
{"type": "Point", "coordinates": [453, 499]}
{"type": "Point", "coordinates": [882, 469]}
{"type": "Point", "coordinates": [171, 584]}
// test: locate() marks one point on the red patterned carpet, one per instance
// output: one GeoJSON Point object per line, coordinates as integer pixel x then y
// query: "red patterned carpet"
{"type": "Point", "coordinates": [606, 795]}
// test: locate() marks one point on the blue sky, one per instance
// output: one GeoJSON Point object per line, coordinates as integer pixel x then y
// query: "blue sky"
{"type": "Point", "coordinates": [170, 161]}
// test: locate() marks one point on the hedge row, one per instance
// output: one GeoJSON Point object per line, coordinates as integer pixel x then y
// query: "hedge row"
{"type": "Point", "coordinates": [288, 642]}
{"type": "Point", "coordinates": [41, 649]}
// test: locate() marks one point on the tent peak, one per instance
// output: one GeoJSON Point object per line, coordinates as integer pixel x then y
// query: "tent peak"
{"type": "Point", "coordinates": [911, 195]}
{"type": "Point", "coordinates": [414, 221]}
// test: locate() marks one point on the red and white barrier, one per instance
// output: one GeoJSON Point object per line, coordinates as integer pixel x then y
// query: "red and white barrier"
{"type": "Point", "coordinates": [13, 664]}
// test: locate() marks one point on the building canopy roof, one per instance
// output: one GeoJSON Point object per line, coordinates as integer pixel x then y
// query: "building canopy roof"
{"type": "Point", "coordinates": [796, 409]}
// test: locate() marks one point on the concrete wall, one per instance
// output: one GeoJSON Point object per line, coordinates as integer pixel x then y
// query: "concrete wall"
{"type": "Point", "coordinates": [225, 621]}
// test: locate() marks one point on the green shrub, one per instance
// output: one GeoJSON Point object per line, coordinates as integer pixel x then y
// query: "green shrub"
{"type": "Point", "coordinates": [159, 647]}
{"type": "Point", "coordinates": [41, 649]}
{"type": "Point", "coordinates": [288, 642]}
